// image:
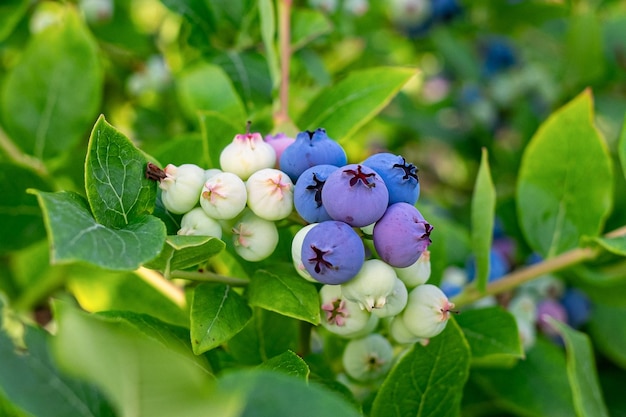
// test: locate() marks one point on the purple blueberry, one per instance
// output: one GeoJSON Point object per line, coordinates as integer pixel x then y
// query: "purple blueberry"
{"type": "Point", "coordinates": [577, 305]}
{"type": "Point", "coordinates": [401, 235]}
{"type": "Point", "coordinates": [549, 307]}
{"type": "Point", "coordinates": [308, 193]}
{"type": "Point", "coordinates": [399, 176]}
{"type": "Point", "coordinates": [355, 194]}
{"type": "Point", "coordinates": [332, 252]}
{"type": "Point", "coordinates": [308, 150]}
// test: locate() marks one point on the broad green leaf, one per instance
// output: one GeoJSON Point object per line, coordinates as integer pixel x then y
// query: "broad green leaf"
{"type": "Point", "coordinates": [278, 395]}
{"type": "Point", "coordinates": [492, 335]}
{"type": "Point", "coordinates": [581, 371]}
{"type": "Point", "coordinates": [31, 380]}
{"type": "Point", "coordinates": [250, 76]}
{"type": "Point", "coordinates": [287, 294]}
{"type": "Point", "coordinates": [584, 49]}
{"type": "Point", "coordinates": [537, 386]}
{"type": "Point", "coordinates": [343, 108]}
{"type": "Point", "coordinates": [288, 363]}
{"type": "Point", "coordinates": [140, 377]}
{"type": "Point", "coordinates": [51, 96]}
{"type": "Point", "coordinates": [457, 51]}
{"type": "Point", "coordinates": [182, 252]}
{"type": "Point", "coordinates": [174, 338]}
{"type": "Point", "coordinates": [217, 132]}
{"type": "Point", "coordinates": [115, 178]}
{"type": "Point", "coordinates": [11, 11]}
{"type": "Point", "coordinates": [268, 334]}
{"type": "Point", "coordinates": [621, 148]}
{"type": "Point", "coordinates": [198, 18]}
{"type": "Point", "coordinates": [207, 87]}
{"type": "Point", "coordinates": [139, 292]}
{"type": "Point", "coordinates": [428, 380]}
{"type": "Point", "coordinates": [20, 215]}
{"type": "Point", "coordinates": [607, 327]}
{"type": "Point", "coordinates": [217, 314]}
{"type": "Point", "coordinates": [616, 245]}
{"type": "Point", "coordinates": [74, 235]}
{"type": "Point", "coordinates": [267, 14]}
{"type": "Point", "coordinates": [308, 25]}
{"type": "Point", "coordinates": [565, 182]}
{"type": "Point", "coordinates": [483, 212]}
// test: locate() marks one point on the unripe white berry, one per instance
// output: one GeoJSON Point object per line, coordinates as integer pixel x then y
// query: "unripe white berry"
{"type": "Point", "coordinates": [246, 154]}
{"type": "Point", "coordinates": [371, 285]}
{"type": "Point", "coordinates": [296, 252]}
{"type": "Point", "coordinates": [270, 194]}
{"type": "Point", "coordinates": [400, 333]}
{"type": "Point", "coordinates": [368, 358]}
{"type": "Point", "coordinates": [181, 187]}
{"type": "Point", "coordinates": [223, 196]}
{"type": "Point", "coordinates": [396, 301]}
{"type": "Point", "coordinates": [210, 173]}
{"type": "Point", "coordinates": [254, 238]}
{"type": "Point", "coordinates": [197, 223]}
{"type": "Point", "coordinates": [427, 311]}
{"type": "Point", "coordinates": [524, 307]}
{"type": "Point", "coordinates": [339, 315]}
{"type": "Point", "coordinates": [417, 273]}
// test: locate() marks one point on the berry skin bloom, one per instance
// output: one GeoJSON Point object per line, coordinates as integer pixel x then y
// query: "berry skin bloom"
{"type": "Point", "coordinates": [270, 194]}
{"type": "Point", "coordinates": [401, 235]}
{"type": "Point", "coordinates": [368, 358]}
{"type": "Point", "coordinates": [399, 176]}
{"type": "Point", "coordinates": [196, 223]}
{"type": "Point", "coordinates": [223, 196]}
{"type": "Point", "coordinates": [307, 196]}
{"type": "Point", "coordinates": [427, 311]}
{"type": "Point", "coordinates": [332, 252]}
{"type": "Point", "coordinates": [246, 154]}
{"type": "Point", "coordinates": [254, 238]}
{"type": "Point", "coordinates": [355, 194]}
{"type": "Point", "coordinates": [181, 187]}
{"type": "Point", "coordinates": [371, 286]}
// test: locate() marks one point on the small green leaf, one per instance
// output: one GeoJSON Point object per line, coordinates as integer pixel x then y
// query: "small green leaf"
{"type": "Point", "coordinates": [115, 178]}
{"type": "Point", "coordinates": [207, 87]}
{"type": "Point", "coordinates": [250, 76]}
{"type": "Point", "coordinates": [581, 371]}
{"type": "Point", "coordinates": [483, 212]}
{"type": "Point", "coordinates": [607, 327]}
{"type": "Point", "coordinates": [182, 252]}
{"type": "Point", "coordinates": [428, 380]}
{"type": "Point", "coordinates": [217, 132]}
{"type": "Point", "coordinates": [308, 25]}
{"type": "Point", "coordinates": [267, 15]}
{"type": "Point", "coordinates": [20, 215]}
{"type": "Point", "coordinates": [288, 363]}
{"type": "Point", "coordinates": [286, 294]}
{"type": "Point", "coordinates": [343, 108]}
{"type": "Point", "coordinates": [536, 386]}
{"type": "Point", "coordinates": [621, 148]}
{"type": "Point", "coordinates": [616, 245]}
{"type": "Point", "coordinates": [560, 199]}
{"type": "Point", "coordinates": [217, 314]}
{"type": "Point", "coordinates": [278, 395]}
{"type": "Point", "coordinates": [75, 235]}
{"type": "Point", "coordinates": [139, 376]}
{"type": "Point", "coordinates": [31, 380]}
{"type": "Point", "coordinates": [52, 95]}
{"type": "Point", "coordinates": [491, 333]}
{"type": "Point", "coordinates": [11, 11]}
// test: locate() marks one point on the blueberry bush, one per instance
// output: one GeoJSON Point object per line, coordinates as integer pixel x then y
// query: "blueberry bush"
{"type": "Point", "coordinates": [303, 208]}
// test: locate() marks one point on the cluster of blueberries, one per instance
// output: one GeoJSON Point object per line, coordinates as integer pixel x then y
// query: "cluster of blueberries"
{"type": "Point", "coordinates": [364, 241]}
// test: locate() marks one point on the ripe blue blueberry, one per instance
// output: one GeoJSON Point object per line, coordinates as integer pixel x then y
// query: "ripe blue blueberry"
{"type": "Point", "coordinates": [332, 252]}
{"type": "Point", "coordinates": [399, 176]}
{"type": "Point", "coordinates": [307, 196]}
{"type": "Point", "coordinates": [355, 194]}
{"type": "Point", "coordinates": [577, 305]}
{"type": "Point", "coordinates": [310, 149]}
{"type": "Point", "coordinates": [401, 235]}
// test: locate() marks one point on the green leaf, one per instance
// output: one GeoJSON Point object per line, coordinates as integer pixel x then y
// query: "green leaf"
{"type": "Point", "coordinates": [616, 245]}
{"type": "Point", "coordinates": [217, 132]}
{"type": "Point", "coordinates": [207, 87]}
{"type": "Point", "coordinates": [182, 252]}
{"type": "Point", "coordinates": [267, 15]}
{"type": "Point", "coordinates": [343, 108]}
{"type": "Point", "coordinates": [20, 215]}
{"type": "Point", "coordinates": [492, 335]}
{"type": "Point", "coordinates": [115, 178]}
{"type": "Point", "coordinates": [308, 25]}
{"type": "Point", "coordinates": [288, 363]}
{"type": "Point", "coordinates": [537, 386]}
{"type": "Point", "coordinates": [278, 395]}
{"type": "Point", "coordinates": [584, 49]}
{"type": "Point", "coordinates": [250, 76]}
{"type": "Point", "coordinates": [30, 379]}
{"type": "Point", "coordinates": [287, 294]}
{"type": "Point", "coordinates": [11, 11]}
{"type": "Point", "coordinates": [621, 148]}
{"type": "Point", "coordinates": [74, 235]}
{"type": "Point", "coordinates": [581, 371]}
{"type": "Point", "coordinates": [268, 334]}
{"type": "Point", "coordinates": [139, 376]}
{"type": "Point", "coordinates": [560, 199]}
{"type": "Point", "coordinates": [428, 380]}
{"type": "Point", "coordinates": [607, 327]}
{"type": "Point", "coordinates": [52, 95]}
{"type": "Point", "coordinates": [217, 314]}
{"type": "Point", "coordinates": [483, 212]}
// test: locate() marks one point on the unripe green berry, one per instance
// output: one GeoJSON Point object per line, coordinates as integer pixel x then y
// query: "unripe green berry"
{"type": "Point", "coordinates": [396, 301]}
{"type": "Point", "coordinates": [270, 194]}
{"type": "Point", "coordinates": [368, 359]}
{"type": "Point", "coordinates": [417, 273]}
{"type": "Point", "coordinates": [254, 238]}
{"type": "Point", "coordinates": [371, 285]}
{"type": "Point", "coordinates": [339, 315]}
{"type": "Point", "coordinates": [296, 252]}
{"type": "Point", "coordinates": [427, 311]}
{"type": "Point", "coordinates": [197, 223]}
{"type": "Point", "coordinates": [181, 187]}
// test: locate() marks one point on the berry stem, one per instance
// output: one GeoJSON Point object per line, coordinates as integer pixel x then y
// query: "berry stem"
{"type": "Point", "coordinates": [208, 276]}
{"type": "Point", "coordinates": [284, 43]}
{"type": "Point", "coordinates": [21, 158]}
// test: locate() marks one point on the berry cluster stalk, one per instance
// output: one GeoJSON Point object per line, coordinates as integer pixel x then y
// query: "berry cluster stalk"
{"type": "Point", "coordinates": [281, 117]}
